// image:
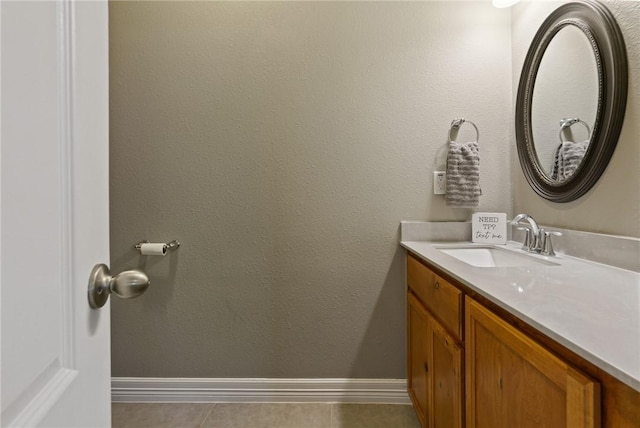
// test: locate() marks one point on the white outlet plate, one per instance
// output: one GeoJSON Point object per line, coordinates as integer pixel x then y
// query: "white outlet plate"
{"type": "Point", "coordinates": [439, 182]}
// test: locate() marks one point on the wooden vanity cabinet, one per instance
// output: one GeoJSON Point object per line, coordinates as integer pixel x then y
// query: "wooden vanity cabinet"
{"type": "Point", "coordinates": [441, 298]}
{"type": "Point", "coordinates": [446, 370]}
{"type": "Point", "coordinates": [512, 381]}
{"type": "Point", "coordinates": [435, 357]}
{"type": "Point", "coordinates": [418, 358]}
{"type": "Point", "coordinates": [493, 370]}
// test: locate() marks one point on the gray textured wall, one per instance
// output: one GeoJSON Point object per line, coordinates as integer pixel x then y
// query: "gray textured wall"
{"type": "Point", "coordinates": [282, 143]}
{"type": "Point", "coordinates": [613, 204]}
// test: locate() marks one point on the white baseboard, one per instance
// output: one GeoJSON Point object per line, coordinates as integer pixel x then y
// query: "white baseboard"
{"type": "Point", "coordinates": [196, 390]}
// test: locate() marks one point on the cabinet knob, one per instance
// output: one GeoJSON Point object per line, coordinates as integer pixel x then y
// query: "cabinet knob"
{"type": "Point", "coordinates": [437, 285]}
{"type": "Point", "coordinates": [426, 367]}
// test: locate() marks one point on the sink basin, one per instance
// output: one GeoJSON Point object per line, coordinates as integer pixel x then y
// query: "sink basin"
{"type": "Point", "coordinates": [493, 257]}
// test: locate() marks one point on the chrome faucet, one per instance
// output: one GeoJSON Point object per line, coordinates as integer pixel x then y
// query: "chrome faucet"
{"type": "Point", "coordinates": [532, 232]}
{"type": "Point", "coordinates": [536, 239]}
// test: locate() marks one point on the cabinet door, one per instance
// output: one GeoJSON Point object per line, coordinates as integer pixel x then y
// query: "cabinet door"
{"type": "Point", "coordinates": [435, 369]}
{"type": "Point", "coordinates": [417, 357]}
{"type": "Point", "coordinates": [512, 381]}
{"type": "Point", "coordinates": [445, 367]}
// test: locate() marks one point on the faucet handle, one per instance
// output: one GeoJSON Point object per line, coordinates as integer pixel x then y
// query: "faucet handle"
{"type": "Point", "coordinates": [526, 244]}
{"type": "Point", "coordinates": [547, 246]}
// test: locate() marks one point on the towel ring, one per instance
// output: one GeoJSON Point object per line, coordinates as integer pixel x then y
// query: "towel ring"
{"type": "Point", "coordinates": [568, 123]}
{"type": "Point", "coordinates": [457, 123]}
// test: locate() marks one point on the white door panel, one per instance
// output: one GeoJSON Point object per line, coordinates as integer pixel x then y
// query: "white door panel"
{"type": "Point", "coordinates": [54, 225]}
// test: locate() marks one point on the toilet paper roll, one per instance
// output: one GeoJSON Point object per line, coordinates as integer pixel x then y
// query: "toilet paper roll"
{"type": "Point", "coordinates": [153, 249]}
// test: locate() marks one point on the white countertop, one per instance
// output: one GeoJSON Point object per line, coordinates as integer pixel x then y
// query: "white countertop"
{"type": "Point", "coordinates": [590, 308]}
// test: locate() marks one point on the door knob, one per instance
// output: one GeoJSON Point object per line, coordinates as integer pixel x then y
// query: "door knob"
{"type": "Point", "coordinates": [127, 284]}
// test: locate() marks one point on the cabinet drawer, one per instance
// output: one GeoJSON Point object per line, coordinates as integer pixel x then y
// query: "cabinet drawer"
{"type": "Point", "coordinates": [440, 297]}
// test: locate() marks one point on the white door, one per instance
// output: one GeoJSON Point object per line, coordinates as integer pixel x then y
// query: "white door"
{"type": "Point", "coordinates": [55, 358]}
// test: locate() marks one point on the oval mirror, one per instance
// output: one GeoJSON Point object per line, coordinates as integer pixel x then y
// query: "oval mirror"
{"type": "Point", "coordinates": [565, 94]}
{"type": "Point", "coordinates": [571, 100]}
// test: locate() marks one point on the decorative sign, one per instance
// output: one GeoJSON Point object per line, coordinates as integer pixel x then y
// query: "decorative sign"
{"type": "Point", "coordinates": [489, 228]}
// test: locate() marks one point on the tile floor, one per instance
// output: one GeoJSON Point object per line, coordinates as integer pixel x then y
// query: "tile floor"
{"type": "Point", "coordinates": [262, 415]}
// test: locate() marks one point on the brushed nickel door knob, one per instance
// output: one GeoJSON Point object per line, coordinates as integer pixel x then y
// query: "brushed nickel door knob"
{"type": "Point", "coordinates": [127, 285]}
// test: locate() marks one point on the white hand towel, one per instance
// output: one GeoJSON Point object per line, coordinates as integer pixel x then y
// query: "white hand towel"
{"type": "Point", "coordinates": [463, 175]}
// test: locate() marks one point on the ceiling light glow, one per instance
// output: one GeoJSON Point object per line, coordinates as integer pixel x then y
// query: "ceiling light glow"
{"type": "Point", "coordinates": [504, 3]}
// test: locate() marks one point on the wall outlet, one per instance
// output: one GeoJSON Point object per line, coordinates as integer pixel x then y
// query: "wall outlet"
{"type": "Point", "coordinates": [439, 182]}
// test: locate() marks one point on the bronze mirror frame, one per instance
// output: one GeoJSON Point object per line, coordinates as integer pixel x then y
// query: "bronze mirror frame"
{"type": "Point", "coordinates": [602, 31]}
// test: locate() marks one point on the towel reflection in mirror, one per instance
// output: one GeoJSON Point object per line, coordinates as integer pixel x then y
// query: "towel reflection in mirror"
{"type": "Point", "coordinates": [569, 154]}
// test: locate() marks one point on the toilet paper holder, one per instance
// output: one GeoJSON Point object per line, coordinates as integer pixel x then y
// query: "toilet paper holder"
{"type": "Point", "coordinates": [173, 245]}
